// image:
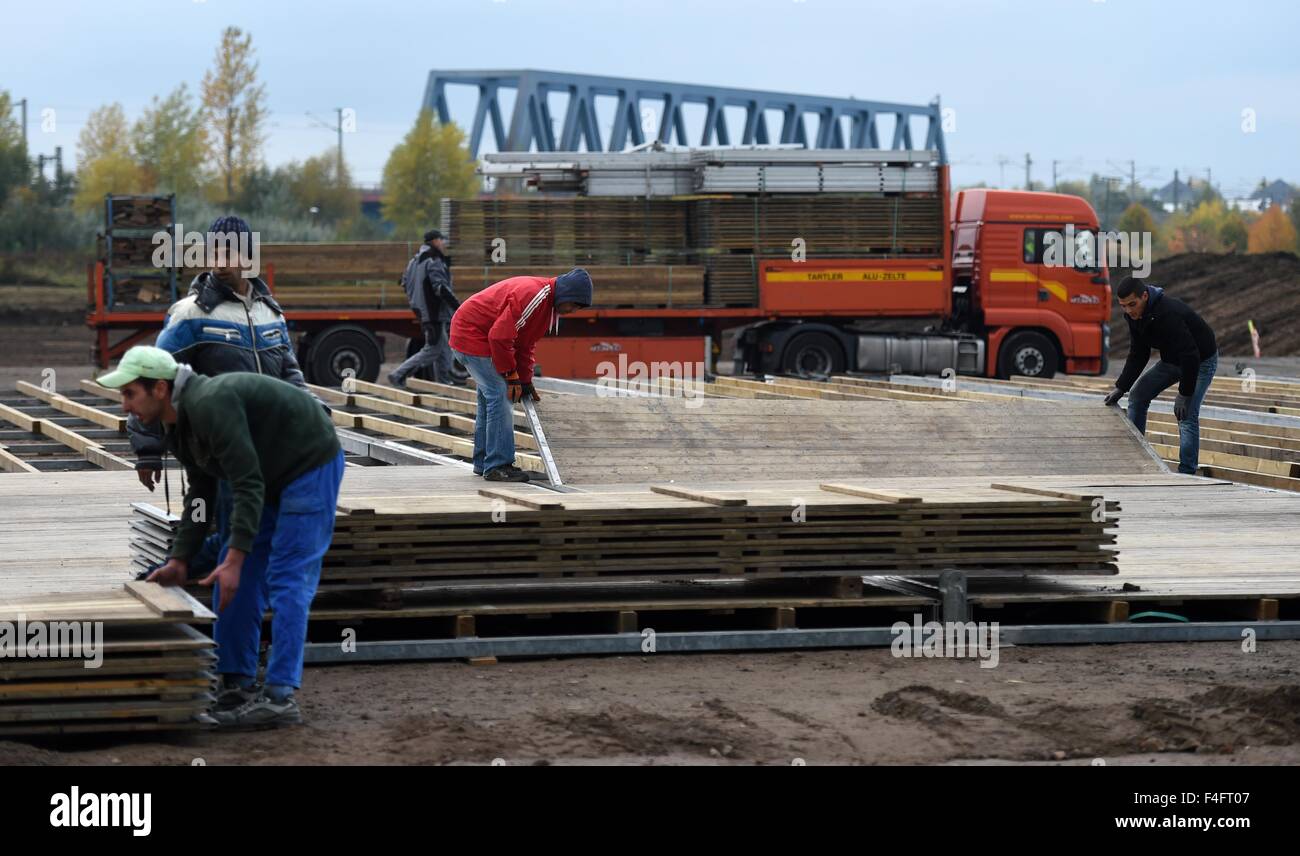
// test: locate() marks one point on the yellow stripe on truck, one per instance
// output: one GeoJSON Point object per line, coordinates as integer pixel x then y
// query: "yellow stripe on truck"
{"type": "Point", "coordinates": [856, 275]}
{"type": "Point", "coordinates": [1054, 288]}
{"type": "Point", "coordinates": [1057, 289]}
{"type": "Point", "coordinates": [1011, 276]}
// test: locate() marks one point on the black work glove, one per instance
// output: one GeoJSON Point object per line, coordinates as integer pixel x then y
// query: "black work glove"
{"type": "Point", "coordinates": [1180, 408]}
{"type": "Point", "coordinates": [1114, 397]}
{"type": "Point", "coordinates": [513, 387]}
{"type": "Point", "coordinates": [531, 392]}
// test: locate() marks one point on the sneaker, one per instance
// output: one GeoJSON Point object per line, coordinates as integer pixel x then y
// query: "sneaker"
{"type": "Point", "coordinates": [231, 695]}
{"type": "Point", "coordinates": [394, 380]}
{"type": "Point", "coordinates": [508, 473]}
{"type": "Point", "coordinates": [260, 712]}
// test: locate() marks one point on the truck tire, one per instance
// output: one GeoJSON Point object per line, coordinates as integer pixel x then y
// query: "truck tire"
{"type": "Point", "coordinates": [1027, 353]}
{"type": "Point", "coordinates": [813, 355]}
{"type": "Point", "coordinates": [344, 349]}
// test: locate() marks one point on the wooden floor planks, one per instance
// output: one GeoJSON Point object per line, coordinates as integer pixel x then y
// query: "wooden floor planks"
{"type": "Point", "coordinates": [601, 440]}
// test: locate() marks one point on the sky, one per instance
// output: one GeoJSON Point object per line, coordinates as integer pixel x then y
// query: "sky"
{"type": "Point", "coordinates": [1115, 87]}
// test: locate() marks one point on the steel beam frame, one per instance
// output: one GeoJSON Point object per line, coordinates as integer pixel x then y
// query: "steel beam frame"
{"type": "Point", "coordinates": [532, 125]}
{"type": "Point", "coordinates": [320, 653]}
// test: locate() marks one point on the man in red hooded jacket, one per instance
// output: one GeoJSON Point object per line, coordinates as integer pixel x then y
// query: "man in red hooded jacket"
{"type": "Point", "coordinates": [494, 335]}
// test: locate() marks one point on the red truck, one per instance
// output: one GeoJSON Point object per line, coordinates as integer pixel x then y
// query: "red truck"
{"type": "Point", "coordinates": [980, 298]}
{"type": "Point", "coordinates": [973, 293]}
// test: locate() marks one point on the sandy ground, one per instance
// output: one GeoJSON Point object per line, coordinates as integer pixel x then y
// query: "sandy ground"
{"type": "Point", "coordinates": [1204, 703]}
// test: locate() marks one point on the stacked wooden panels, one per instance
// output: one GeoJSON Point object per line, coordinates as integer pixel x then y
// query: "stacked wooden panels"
{"type": "Point", "coordinates": [733, 279]}
{"type": "Point", "coordinates": [366, 275]}
{"type": "Point", "coordinates": [729, 233]}
{"type": "Point", "coordinates": [616, 285]}
{"type": "Point", "coordinates": [505, 536]}
{"type": "Point", "coordinates": [831, 226]}
{"type": "Point", "coordinates": [667, 532]}
{"type": "Point", "coordinates": [567, 232]}
{"type": "Point", "coordinates": [121, 660]}
{"type": "Point", "coordinates": [152, 533]}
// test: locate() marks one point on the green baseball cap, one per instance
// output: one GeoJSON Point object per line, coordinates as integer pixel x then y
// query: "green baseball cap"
{"type": "Point", "coordinates": [141, 361]}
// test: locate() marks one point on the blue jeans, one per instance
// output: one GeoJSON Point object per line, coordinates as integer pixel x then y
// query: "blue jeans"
{"type": "Point", "coordinates": [494, 425]}
{"type": "Point", "coordinates": [282, 570]}
{"type": "Point", "coordinates": [1156, 380]}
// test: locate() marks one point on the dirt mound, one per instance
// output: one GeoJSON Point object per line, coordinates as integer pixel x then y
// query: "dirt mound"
{"type": "Point", "coordinates": [1229, 290]}
{"type": "Point", "coordinates": [1225, 719]}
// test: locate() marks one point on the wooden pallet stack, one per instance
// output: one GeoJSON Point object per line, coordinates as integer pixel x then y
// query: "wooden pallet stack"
{"type": "Point", "coordinates": [127, 659]}
{"type": "Point", "coordinates": [568, 231]}
{"type": "Point", "coordinates": [505, 536]}
{"type": "Point", "coordinates": [152, 533]}
{"type": "Point", "coordinates": [666, 532]}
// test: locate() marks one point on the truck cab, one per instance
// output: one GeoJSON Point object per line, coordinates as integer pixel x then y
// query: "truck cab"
{"type": "Point", "coordinates": [1029, 274]}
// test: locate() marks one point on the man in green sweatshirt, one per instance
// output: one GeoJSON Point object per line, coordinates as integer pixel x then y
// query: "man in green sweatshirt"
{"type": "Point", "coordinates": [277, 448]}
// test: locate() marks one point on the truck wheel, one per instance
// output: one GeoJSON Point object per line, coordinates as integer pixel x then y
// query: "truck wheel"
{"type": "Point", "coordinates": [813, 355]}
{"type": "Point", "coordinates": [1028, 353]}
{"type": "Point", "coordinates": [343, 351]}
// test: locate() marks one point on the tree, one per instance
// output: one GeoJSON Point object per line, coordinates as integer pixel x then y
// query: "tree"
{"type": "Point", "coordinates": [321, 192]}
{"type": "Point", "coordinates": [1075, 188]}
{"type": "Point", "coordinates": [1272, 233]}
{"type": "Point", "coordinates": [105, 132]}
{"type": "Point", "coordinates": [1136, 218]}
{"type": "Point", "coordinates": [104, 161]}
{"type": "Point", "coordinates": [13, 149]}
{"type": "Point", "coordinates": [430, 163]}
{"type": "Point", "coordinates": [169, 142]}
{"type": "Point", "coordinates": [1295, 215]}
{"type": "Point", "coordinates": [234, 109]}
{"type": "Point", "coordinates": [1232, 232]}
{"type": "Point", "coordinates": [1199, 231]}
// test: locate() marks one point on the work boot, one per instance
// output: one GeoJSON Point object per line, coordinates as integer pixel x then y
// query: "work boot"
{"type": "Point", "coordinates": [231, 695]}
{"type": "Point", "coordinates": [508, 473]}
{"type": "Point", "coordinates": [260, 712]}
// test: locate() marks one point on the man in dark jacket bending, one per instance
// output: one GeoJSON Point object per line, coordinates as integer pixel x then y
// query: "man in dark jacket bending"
{"type": "Point", "coordinates": [1189, 356]}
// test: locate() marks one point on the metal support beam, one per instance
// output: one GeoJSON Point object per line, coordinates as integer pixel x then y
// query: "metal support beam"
{"type": "Point", "coordinates": [531, 121]}
{"type": "Point", "coordinates": [318, 653]}
{"type": "Point", "coordinates": [952, 592]}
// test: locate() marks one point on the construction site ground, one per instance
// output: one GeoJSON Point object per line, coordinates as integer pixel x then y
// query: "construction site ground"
{"type": "Point", "coordinates": [1137, 703]}
{"type": "Point", "coordinates": [1209, 702]}
{"type": "Point", "coordinates": [1203, 703]}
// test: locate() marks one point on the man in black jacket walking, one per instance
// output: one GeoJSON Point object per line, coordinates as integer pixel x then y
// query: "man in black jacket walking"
{"type": "Point", "coordinates": [427, 281]}
{"type": "Point", "coordinates": [1189, 356]}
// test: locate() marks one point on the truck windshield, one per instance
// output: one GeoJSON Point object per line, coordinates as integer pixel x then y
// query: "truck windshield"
{"type": "Point", "coordinates": [1071, 247]}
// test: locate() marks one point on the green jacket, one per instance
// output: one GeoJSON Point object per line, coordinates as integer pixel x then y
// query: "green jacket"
{"type": "Point", "coordinates": [256, 432]}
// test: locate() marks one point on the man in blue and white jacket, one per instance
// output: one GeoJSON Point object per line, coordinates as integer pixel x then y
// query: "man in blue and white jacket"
{"type": "Point", "coordinates": [227, 323]}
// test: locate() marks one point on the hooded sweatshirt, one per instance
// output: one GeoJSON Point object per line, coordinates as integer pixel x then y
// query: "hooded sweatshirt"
{"type": "Point", "coordinates": [505, 320]}
{"type": "Point", "coordinates": [1173, 328]}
